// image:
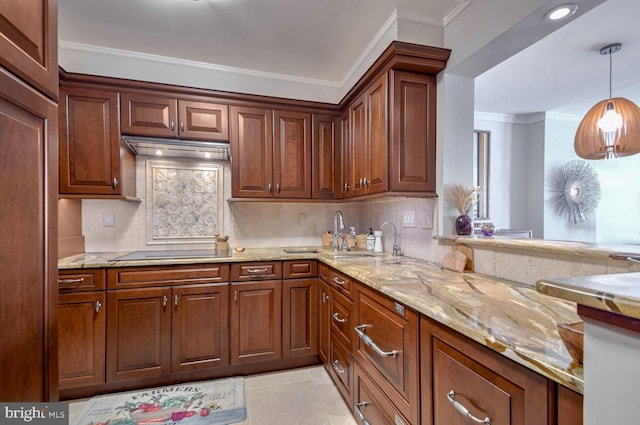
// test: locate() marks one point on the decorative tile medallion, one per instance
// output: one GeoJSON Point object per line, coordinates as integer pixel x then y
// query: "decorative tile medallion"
{"type": "Point", "coordinates": [184, 202]}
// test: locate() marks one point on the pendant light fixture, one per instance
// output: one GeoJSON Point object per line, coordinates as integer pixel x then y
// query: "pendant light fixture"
{"type": "Point", "coordinates": [611, 128]}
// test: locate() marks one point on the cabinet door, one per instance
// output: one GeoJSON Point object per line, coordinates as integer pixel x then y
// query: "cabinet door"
{"type": "Point", "coordinates": [370, 404]}
{"type": "Point", "coordinates": [148, 115]}
{"type": "Point", "coordinates": [89, 142]}
{"type": "Point", "coordinates": [376, 175]}
{"type": "Point", "coordinates": [292, 154]}
{"type": "Point", "coordinates": [138, 333]}
{"type": "Point", "coordinates": [324, 156]}
{"type": "Point", "coordinates": [200, 327]}
{"type": "Point", "coordinates": [203, 120]}
{"type": "Point", "coordinates": [343, 160]}
{"type": "Point", "coordinates": [251, 152]}
{"type": "Point", "coordinates": [324, 324]}
{"type": "Point", "coordinates": [359, 146]}
{"type": "Point", "coordinates": [413, 132]}
{"type": "Point", "coordinates": [81, 339]}
{"type": "Point", "coordinates": [341, 369]}
{"type": "Point", "coordinates": [387, 346]}
{"type": "Point", "coordinates": [569, 407]}
{"type": "Point", "coordinates": [256, 320]}
{"type": "Point", "coordinates": [29, 42]}
{"type": "Point", "coordinates": [299, 317]}
{"type": "Point", "coordinates": [28, 213]}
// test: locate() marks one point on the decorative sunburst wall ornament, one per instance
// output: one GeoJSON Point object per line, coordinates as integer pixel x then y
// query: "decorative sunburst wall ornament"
{"type": "Point", "coordinates": [575, 191]}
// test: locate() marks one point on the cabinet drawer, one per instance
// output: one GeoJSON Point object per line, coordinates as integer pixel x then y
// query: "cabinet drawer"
{"type": "Point", "coordinates": [324, 272]}
{"type": "Point", "coordinates": [342, 318]}
{"type": "Point", "coordinates": [386, 344]}
{"type": "Point", "coordinates": [370, 403]}
{"type": "Point", "coordinates": [139, 277]}
{"type": "Point", "coordinates": [81, 280]}
{"type": "Point", "coordinates": [256, 271]}
{"type": "Point", "coordinates": [342, 283]}
{"type": "Point", "coordinates": [294, 269]}
{"type": "Point", "coordinates": [341, 369]}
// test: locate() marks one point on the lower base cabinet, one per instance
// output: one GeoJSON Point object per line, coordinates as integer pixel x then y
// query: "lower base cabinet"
{"type": "Point", "coordinates": [467, 377]}
{"type": "Point", "coordinates": [370, 405]}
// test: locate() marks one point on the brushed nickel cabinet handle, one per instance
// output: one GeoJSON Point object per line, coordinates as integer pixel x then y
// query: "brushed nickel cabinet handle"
{"type": "Point", "coordinates": [98, 305]}
{"type": "Point", "coordinates": [115, 182]}
{"type": "Point", "coordinates": [360, 183]}
{"type": "Point", "coordinates": [337, 318]}
{"type": "Point", "coordinates": [270, 187]}
{"type": "Point", "coordinates": [264, 270]}
{"type": "Point", "coordinates": [164, 300]}
{"type": "Point", "coordinates": [346, 187]}
{"type": "Point", "coordinates": [359, 414]}
{"type": "Point", "coordinates": [278, 187]}
{"type": "Point", "coordinates": [175, 300]}
{"type": "Point", "coordinates": [339, 281]}
{"type": "Point", "coordinates": [173, 125]}
{"type": "Point", "coordinates": [235, 296]}
{"type": "Point", "coordinates": [369, 342]}
{"type": "Point", "coordinates": [182, 126]}
{"type": "Point", "coordinates": [335, 367]}
{"type": "Point", "coordinates": [365, 182]}
{"type": "Point", "coordinates": [68, 281]}
{"type": "Point", "coordinates": [451, 396]}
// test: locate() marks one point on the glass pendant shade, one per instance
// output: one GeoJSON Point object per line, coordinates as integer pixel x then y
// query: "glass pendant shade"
{"type": "Point", "coordinates": [610, 129]}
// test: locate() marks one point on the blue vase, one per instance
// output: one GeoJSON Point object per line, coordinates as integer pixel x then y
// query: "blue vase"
{"type": "Point", "coordinates": [464, 225]}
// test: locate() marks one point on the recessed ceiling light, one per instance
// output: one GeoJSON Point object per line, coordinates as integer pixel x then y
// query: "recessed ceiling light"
{"type": "Point", "coordinates": [207, 155]}
{"type": "Point", "coordinates": [158, 152]}
{"type": "Point", "coordinates": [561, 12]}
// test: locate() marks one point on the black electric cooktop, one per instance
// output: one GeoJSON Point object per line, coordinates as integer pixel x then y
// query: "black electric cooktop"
{"type": "Point", "coordinates": [170, 255]}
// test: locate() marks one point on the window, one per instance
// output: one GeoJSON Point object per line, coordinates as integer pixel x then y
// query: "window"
{"type": "Point", "coordinates": [481, 172]}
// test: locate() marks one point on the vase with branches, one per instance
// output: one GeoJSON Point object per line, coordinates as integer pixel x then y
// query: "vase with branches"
{"type": "Point", "coordinates": [463, 199]}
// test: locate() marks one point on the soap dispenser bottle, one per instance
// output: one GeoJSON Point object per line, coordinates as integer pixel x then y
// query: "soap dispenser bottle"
{"type": "Point", "coordinates": [371, 240]}
{"type": "Point", "coordinates": [377, 247]}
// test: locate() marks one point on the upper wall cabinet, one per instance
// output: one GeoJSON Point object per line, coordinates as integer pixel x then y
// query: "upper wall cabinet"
{"type": "Point", "coordinates": [270, 153]}
{"type": "Point", "coordinates": [29, 42]}
{"type": "Point", "coordinates": [166, 116]}
{"type": "Point", "coordinates": [93, 160]}
{"type": "Point", "coordinates": [325, 149]}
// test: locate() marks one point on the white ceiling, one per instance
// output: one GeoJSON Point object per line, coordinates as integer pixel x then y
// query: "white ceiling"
{"type": "Point", "coordinates": [321, 40]}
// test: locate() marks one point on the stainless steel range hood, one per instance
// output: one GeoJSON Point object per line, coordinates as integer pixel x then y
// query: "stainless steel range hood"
{"type": "Point", "coordinates": [178, 148]}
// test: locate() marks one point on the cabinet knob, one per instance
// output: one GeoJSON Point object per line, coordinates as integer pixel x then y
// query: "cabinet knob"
{"type": "Point", "coordinates": [98, 305]}
{"type": "Point", "coordinates": [451, 396]}
{"type": "Point", "coordinates": [346, 187]}
{"type": "Point", "coordinates": [115, 182]}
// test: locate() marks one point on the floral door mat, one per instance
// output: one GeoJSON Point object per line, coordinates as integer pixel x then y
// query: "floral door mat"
{"type": "Point", "coordinates": [216, 402]}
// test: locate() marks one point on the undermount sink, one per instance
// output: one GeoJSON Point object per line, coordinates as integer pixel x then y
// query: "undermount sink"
{"type": "Point", "coordinates": [354, 255]}
{"type": "Point", "coordinates": [300, 250]}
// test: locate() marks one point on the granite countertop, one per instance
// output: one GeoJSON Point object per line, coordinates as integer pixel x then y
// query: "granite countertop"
{"type": "Point", "coordinates": [512, 319]}
{"type": "Point", "coordinates": [618, 293]}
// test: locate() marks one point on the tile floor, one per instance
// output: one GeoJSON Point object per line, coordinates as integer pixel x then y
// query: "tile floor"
{"type": "Point", "coordinates": [305, 396]}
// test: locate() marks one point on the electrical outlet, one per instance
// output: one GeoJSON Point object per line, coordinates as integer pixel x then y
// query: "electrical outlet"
{"type": "Point", "coordinates": [425, 219]}
{"type": "Point", "coordinates": [409, 219]}
{"type": "Point", "coordinates": [108, 219]}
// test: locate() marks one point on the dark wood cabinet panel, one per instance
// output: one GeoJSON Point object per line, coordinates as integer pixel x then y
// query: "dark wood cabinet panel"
{"type": "Point", "coordinates": [90, 146]}
{"type": "Point", "coordinates": [484, 382]}
{"type": "Point", "coordinates": [342, 318]}
{"type": "Point", "coordinates": [569, 407]}
{"type": "Point", "coordinates": [377, 137]}
{"type": "Point", "coordinates": [297, 269]}
{"type": "Point", "coordinates": [343, 157]}
{"type": "Point", "coordinates": [300, 317]}
{"type": "Point", "coordinates": [341, 369]}
{"type": "Point", "coordinates": [250, 271]}
{"type": "Point", "coordinates": [81, 339]}
{"type": "Point", "coordinates": [413, 136]}
{"type": "Point", "coordinates": [148, 115]}
{"type": "Point", "coordinates": [81, 280]}
{"type": "Point", "coordinates": [150, 276]}
{"type": "Point", "coordinates": [256, 321]}
{"type": "Point", "coordinates": [292, 154]}
{"type": "Point", "coordinates": [324, 321]}
{"type": "Point", "coordinates": [28, 171]}
{"type": "Point", "coordinates": [325, 153]}
{"type": "Point", "coordinates": [386, 345]}
{"type": "Point", "coordinates": [29, 42]}
{"type": "Point", "coordinates": [200, 327]}
{"type": "Point", "coordinates": [251, 138]}
{"type": "Point", "coordinates": [371, 405]}
{"type": "Point", "coordinates": [138, 333]}
{"type": "Point", "coordinates": [359, 164]}
{"type": "Point", "coordinates": [203, 120]}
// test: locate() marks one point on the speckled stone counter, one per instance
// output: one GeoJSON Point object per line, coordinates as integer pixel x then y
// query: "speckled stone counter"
{"type": "Point", "coordinates": [617, 293]}
{"type": "Point", "coordinates": [509, 318]}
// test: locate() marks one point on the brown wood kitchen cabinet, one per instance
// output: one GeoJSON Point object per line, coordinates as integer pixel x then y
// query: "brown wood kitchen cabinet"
{"type": "Point", "coordinates": [325, 150]}
{"type": "Point", "coordinates": [386, 347]}
{"type": "Point", "coordinates": [147, 114]}
{"type": "Point", "coordinates": [153, 313]}
{"type": "Point", "coordinates": [256, 312]}
{"type": "Point", "coordinates": [93, 160]}
{"type": "Point", "coordinates": [270, 153]}
{"type": "Point", "coordinates": [299, 308]}
{"type": "Point", "coordinates": [462, 373]}
{"type": "Point", "coordinates": [342, 160]}
{"type": "Point", "coordinates": [81, 327]}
